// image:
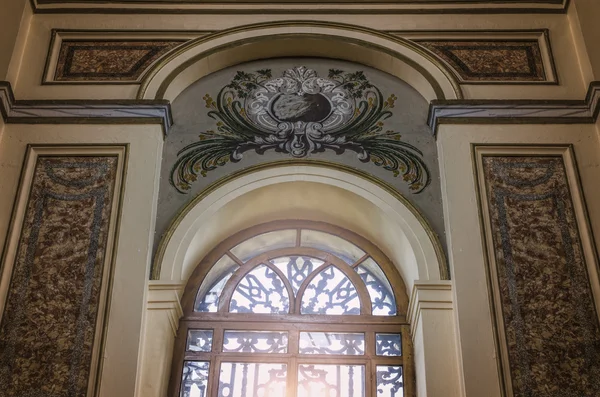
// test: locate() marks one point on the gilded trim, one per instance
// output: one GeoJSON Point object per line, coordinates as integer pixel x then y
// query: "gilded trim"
{"type": "Point", "coordinates": [166, 238]}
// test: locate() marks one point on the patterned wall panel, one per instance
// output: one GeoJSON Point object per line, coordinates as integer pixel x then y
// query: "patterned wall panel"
{"type": "Point", "coordinates": [51, 327]}
{"type": "Point", "coordinates": [476, 56]}
{"type": "Point", "coordinates": [108, 60]}
{"type": "Point", "coordinates": [549, 334]}
{"type": "Point", "coordinates": [491, 60]}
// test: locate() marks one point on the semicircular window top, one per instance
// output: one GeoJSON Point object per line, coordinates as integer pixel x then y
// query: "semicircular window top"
{"type": "Point", "coordinates": [294, 309]}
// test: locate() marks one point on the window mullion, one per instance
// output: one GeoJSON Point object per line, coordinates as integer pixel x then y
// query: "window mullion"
{"type": "Point", "coordinates": [407, 359]}
{"type": "Point", "coordinates": [370, 382]}
{"type": "Point", "coordinates": [215, 363]}
{"type": "Point", "coordinates": [370, 344]}
{"type": "Point", "coordinates": [292, 379]}
{"type": "Point", "coordinates": [213, 377]}
{"type": "Point", "coordinates": [293, 348]}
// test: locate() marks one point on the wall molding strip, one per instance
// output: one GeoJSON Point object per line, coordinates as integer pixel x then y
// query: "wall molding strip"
{"type": "Point", "coordinates": [300, 7]}
{"type": "Point", "coordinates": [516, 112]}
{"type": "Point", "coordinates": [83, 111]}
{"type": "Point", "coordinates": [159, 111]}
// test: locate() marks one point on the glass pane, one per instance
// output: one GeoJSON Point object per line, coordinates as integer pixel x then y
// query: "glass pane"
{"type": "Point", "coordinates": [382, 298]}
{"type": "Point", "coordinates": [341, 248]}
{"type": "Point", "coordinates": [296, 268]}
{"type": "Point", "coordinates": [331, 380]}
{"type": "Point", "coordinates": [330, 292]}
{"type": "Point", "coordinates": [265, 242]}
{"type": "Point", "coordinates": [252, 380]}
{"type": "Point", "coordinates": [332, 343]}
{"type": "Point", "coordinates": [195, 379]}
{"type": "Point", "coordinates": [389, 381]}
{"type": "Point", "coordinates": [260, 291]}
{"type": "Point", "coordinates": [213, 284]}
{"type": "Point", "coordinates": [199, 340]}
{"type": "Point", "coordinates": [255, 341]}
{"type": "Point", "coordinates": [388, 344]}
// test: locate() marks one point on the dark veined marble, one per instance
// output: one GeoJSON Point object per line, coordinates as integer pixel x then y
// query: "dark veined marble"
{"type": "Point", "coordinates": [550, 321]}
{"type": "Point", "coordinates": [47, 331]}
{"type": "Point", "coordinates": [112, 60]}
{"type": "Point", "coordinates": [493, 60]}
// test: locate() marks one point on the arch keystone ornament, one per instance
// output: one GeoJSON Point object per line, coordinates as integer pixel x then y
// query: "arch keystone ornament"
{"type": "Point", "coordinates": [300, 113]}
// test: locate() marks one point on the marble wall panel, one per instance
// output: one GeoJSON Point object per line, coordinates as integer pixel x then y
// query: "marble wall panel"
{"type": "Point", "coordinates": [491, 60]}
{"type": "Point", "coordinates": [49, 327]}
{"type": "Point", "coordinates": [108, 60]}
{"type": "Point", "coordinates": [546, 316]}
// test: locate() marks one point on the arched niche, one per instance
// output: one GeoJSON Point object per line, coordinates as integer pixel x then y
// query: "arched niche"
{"type": "Point", "coordinates": [318, 192]}
{"type": "Point", "coordinates": [310, 191]}
{"type": "Point", "coordinates": [391, 54]}
{"type": "Point", "coordinates": [321, 188]}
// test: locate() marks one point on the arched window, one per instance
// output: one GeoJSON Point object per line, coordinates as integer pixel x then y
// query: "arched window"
{"type": "Point", "coordinates": [294, 309]}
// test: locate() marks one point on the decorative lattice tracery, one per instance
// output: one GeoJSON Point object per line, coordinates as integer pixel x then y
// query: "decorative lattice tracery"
{"type": "Point", "coordinates": [305, 312]}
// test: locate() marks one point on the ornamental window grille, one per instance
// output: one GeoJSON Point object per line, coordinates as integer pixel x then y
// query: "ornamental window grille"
{"type": "Point", "coordinates": [294, 309]}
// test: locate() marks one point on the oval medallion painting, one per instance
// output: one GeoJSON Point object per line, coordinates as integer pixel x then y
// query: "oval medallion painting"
{"type": "Point", "coordinates": [300, 112]}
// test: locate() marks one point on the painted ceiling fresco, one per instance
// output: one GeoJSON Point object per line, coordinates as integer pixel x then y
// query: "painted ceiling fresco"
{"type": "Point", "coordinates": [290, 109]}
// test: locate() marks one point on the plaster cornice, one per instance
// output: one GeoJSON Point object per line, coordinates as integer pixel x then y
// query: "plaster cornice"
{"type": "Point", "coordinates": [428, 295]}
{"type": "Point", "coordinates": [516, 111]}
{"type": "Point", "coordinates": [143, 111]}
{"type": "Point", "coordinates": [83, 111]}
{"type": "Point", "coordinates": [300, 6]}
{"type": "Point", "coordinates": [166, 296]}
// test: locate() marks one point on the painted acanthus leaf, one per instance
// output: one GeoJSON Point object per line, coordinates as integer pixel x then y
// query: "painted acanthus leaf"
{"type": "Point", "coordinates": [298, 114]}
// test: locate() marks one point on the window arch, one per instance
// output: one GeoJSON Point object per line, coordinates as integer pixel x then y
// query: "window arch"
{"type": "Point", "coordinates": [294, 309]}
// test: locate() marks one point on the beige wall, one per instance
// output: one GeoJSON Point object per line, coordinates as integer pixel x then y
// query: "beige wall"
{"type": "Point", "coordinates": [584, 16]}
{"type": "Point", "coordinates": [123, 360]}
{"type": "Point", "coordinates": [10, 20]}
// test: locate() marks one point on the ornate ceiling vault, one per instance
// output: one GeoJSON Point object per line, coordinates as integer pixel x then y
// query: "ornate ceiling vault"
{"type": "Point", "coordinates": [301, 6]}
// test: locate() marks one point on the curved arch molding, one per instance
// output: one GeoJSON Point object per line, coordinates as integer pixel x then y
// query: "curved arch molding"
{"type": "Point", "coordinates": [425, 257]}
{"type": "Point", "coordinates": [392, 54]}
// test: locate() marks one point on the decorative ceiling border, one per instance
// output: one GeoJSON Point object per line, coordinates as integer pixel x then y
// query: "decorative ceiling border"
{"type": "Point", "coordinates": [83, 111]}
{"type": "Point", "coordinates": [516, 111]}
{"type": "Point", "coordinates": [300, 6]}
{"type": "Point", "coordinates": [124, 56]}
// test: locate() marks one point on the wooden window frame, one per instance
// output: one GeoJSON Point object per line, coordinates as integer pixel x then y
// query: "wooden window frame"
{"type": "Point", "coordinates": [293, 323]}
